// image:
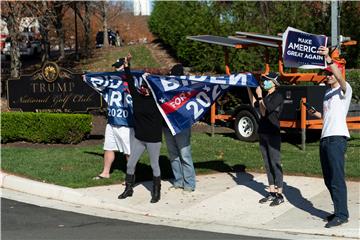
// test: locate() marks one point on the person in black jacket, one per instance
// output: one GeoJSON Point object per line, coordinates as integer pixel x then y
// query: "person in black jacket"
{"type": "Point", "coordinates": [148, 135]}
{"type": "Point", "coordinates": [270, 108]}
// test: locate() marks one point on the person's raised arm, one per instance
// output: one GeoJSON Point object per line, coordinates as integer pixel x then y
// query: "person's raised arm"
{"type": "Point", "coordinates": [251, 97]}
{"type": "Point", "coordinates": [262, 106]}
{"type": "Point", "coordinates": [127, 63]}
{"type": "Point", "coordinates": [334, 68]}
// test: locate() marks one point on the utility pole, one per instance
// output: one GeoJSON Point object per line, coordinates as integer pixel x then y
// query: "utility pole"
{"type": "Point", "coordinates": [335, 23]}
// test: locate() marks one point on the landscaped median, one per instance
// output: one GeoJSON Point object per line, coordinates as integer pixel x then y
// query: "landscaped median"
{"type": "Point", "coordinates": [74, 166]}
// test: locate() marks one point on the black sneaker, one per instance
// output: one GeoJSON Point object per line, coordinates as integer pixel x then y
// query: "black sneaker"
{"type": "Point", "coordinates": [329, 218]}
{"type": "Point", "coordinates": [336, 221]}
{"type": "Point", "coordinates": [270, 197]}
{"type": "Point", "coordinates": [278, 200]}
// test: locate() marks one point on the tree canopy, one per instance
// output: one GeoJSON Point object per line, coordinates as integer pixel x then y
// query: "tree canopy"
{"type": "Point", "coordinates": [173, 21]}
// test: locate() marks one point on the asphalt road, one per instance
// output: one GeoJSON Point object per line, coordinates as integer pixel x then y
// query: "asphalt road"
{"type": "Point", "coordinates": [25, 221]}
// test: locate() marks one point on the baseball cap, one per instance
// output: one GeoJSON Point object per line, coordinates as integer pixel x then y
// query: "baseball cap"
{"type": "Point", "coordinates": [273, 76]}
{"type": "Point", "coordinates": [339, 65]}
{"type": "Point", "coordinates": [177, 70]}
{"type": "Point", "coordinates": [119, 63]}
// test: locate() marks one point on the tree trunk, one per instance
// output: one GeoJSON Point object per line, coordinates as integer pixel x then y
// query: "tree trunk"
{"type": "Point", "coordinates": [59, 30]}
{"type": "Point", "coordinates": [15, 63]}
{"type": "Point", "coordinates": [87, 29]}
{"type": "Point", "coordinates": [45, 44]}
{"type": "Point", "coordinates": [105, 28]}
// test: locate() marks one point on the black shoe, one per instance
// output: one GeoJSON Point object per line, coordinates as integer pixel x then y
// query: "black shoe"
{"type": "Point", "coordinates": [329, 218]}
{"type": "Point", "coordinates": [268, 198]}
{"type": "Point", "coordinates": [156, 192]}
{"type": "Point", "coordinates": [129, 184]}
{"type": "Point", "coordinates": [128, 192]}
{"type": "Point", "coordinates": [336, 221]}
{"type": "Point", "coordinates": [278, 200]}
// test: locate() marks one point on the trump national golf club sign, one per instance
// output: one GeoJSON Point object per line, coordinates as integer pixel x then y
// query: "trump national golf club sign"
{"type": "Point", "coordinates": [52, 88]}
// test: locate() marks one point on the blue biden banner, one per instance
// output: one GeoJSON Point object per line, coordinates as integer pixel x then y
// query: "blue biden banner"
{"type": "Point", "coordinates": [183, 100]}
{"type": "Point", "coordinates": [300, 49]}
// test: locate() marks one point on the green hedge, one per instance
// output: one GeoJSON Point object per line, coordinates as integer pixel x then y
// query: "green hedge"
{"type": "Point", "coordinates": [44, 127]}
{"type": "Point", "coordinates": [353, 77]}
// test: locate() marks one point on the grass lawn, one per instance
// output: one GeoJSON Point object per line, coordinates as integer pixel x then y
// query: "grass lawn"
{"type": "Point", "coordinates": [74, 166]}
{"type": "Point", "coordinates": [104, 58]}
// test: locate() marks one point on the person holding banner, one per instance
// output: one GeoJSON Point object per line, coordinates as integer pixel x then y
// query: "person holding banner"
{"type": "Point", "coordinates": [179, 150]}
{"type": "Point", "coordinates": [119, 127]}
{"type": "Point", "coordinates": [333, 141]}
{"type": "Point", "coordinates": [270, 108]}
{"type": "Point", "coordinates": [148, 134]}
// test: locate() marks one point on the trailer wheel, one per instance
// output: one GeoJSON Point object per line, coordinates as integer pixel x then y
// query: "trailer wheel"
{"type": "Point", "coordinates": [246, 126]}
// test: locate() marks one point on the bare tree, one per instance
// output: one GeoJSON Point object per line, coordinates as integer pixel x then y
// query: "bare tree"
{"type": "Point", "coordinates": [104, 20]}
{"type": "Point", "coordinates": [12, 11]}
{"type": "Point", "coordinates": [59, 9]}
{"type": "Point", "coordinates": [115, 9]}
{"type": "Point", "coordinates": [107, 12]}
{"type": "Point", "coordinates": [45, 13]}
{"type": "Point", "coordinates": [88, 12]}
{"type": "Point", "coordinates": [87, 27]}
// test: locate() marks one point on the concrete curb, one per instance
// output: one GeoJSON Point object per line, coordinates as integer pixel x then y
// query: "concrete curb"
{"type": "Point", "coordinates": [82, 198]}
{"type": "Point", "coordinates": [56, 192]}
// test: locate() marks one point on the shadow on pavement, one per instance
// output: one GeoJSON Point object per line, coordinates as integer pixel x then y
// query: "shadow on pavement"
{"type": "Point", "coordinates": [144, 175]}
{"type": "Point", "coordinates": [247, 180]}
{"type": "Point", "coordinates": [292, 194]}
{"type": "Point", "coordinates": [216, 165]}
{"type": "Point", "coordinates": [294, 197]}
{"type": "Point", "coordinates": [143, 172]}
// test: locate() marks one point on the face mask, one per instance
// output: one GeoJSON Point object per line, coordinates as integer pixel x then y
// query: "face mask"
{"type": "Point", "coordinates": [267, 85]}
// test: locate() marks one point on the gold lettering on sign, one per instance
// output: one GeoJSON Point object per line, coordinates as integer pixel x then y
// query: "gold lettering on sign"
{"type": "Point", "coordinates": [82, 98]}
{"type": "Point", "coordinates": [61, 100]}
{"type": "Point", "coordinates": [52, 87]}
{"type": "Point", "coordinates": [28, 99]}
{"type": "Point", "coordinates": [42, 87]}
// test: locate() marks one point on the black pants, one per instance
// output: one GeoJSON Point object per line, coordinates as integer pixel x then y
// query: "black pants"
{"type": "Point", "coordinates": [270, 150]}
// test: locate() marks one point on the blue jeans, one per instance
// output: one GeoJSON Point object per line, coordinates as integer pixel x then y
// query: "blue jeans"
{"type": "Point", "coordinates": [332, 158]}
{"type": "Point", "coordinates": [182, 165]}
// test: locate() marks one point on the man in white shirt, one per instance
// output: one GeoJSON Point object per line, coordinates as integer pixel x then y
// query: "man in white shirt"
{"type": "Point", "coordinates": [333, 140]}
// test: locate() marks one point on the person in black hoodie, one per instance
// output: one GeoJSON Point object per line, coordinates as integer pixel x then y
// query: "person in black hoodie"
{"type": "Point", "coordinates": [148, 135]}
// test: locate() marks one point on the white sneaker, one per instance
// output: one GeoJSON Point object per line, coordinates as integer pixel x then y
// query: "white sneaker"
{"type": "Point", "coordinates": [174, 188]}
{"type": "Point", "coordinates": [188, 189]}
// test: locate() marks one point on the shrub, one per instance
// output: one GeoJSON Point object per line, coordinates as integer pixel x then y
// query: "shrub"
{"type": "Point", "coordinates": [353, 77]}
{"type": "Point", "coordinates": [44, 127]}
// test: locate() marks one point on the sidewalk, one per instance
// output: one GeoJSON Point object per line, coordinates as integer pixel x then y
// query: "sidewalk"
{"type": "Point", "coordinates": [225, 202]}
